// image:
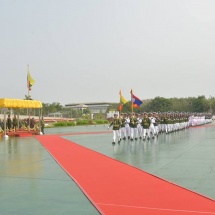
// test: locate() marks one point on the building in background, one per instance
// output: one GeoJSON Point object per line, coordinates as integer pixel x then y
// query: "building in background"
{"type": "Point", "coordinates": [93, 107]}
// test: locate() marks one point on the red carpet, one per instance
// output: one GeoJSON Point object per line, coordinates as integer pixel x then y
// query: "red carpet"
{"type": "Point", "coordinates": [117, 188]}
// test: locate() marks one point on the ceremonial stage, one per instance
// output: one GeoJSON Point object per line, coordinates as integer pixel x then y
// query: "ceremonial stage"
{"type": "Point", "coordinates": [76, 170]}
{"type": "Point", "coordinates": [22, 133]}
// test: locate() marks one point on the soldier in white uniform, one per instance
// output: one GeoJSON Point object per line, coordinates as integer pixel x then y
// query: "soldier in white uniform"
{"type": "Point", "coordinates": [156, 123]}
{"type": "Point", "coordinates": [127, 126]}
{"type": "Point", "coordinates": [132, 125]}
{"type": "Point", "coordinates": [152, 127]}
{"type": "Point", "coordinates": [139, 127]}
{"type": "Point", "coordinates": [122, 130]}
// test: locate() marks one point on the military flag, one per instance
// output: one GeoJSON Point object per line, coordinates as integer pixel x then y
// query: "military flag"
{"type": "Point", "coordinates": [123, 101]}
{"type": "Point", "coordinates": [30, 80]}
{"type": "Point", "coordinates": [136, 102]}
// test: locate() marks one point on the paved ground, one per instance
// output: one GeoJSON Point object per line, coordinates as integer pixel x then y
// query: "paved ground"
{"type": "Point", "coordinates": [31, 182]}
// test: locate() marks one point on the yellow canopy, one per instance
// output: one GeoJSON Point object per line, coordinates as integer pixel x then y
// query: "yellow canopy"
{"type": "Point", "coordinates": [18, 103]}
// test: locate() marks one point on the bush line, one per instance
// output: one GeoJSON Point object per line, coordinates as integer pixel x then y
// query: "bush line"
{"type": "Point", "coordinates": [80, 122]}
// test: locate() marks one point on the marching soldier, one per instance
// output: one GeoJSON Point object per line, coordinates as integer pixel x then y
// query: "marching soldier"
{"type": "Point", "coordinates": [162, 125]}
{"type": "Point", "coordinates": [116, 123]}
{"type": "Point", "coordinates": [139, 127]}
{"type": "Point", "coordinates": [152, 127]}
{"type": "Point", "coordinates": [122, 131]}
{"type": "Point", "coordinates": [127, 126]}
{"type": "Point", "coordinates": [145, 124]}
{"type": "Point", "coordinates": [156, 121]}
{"type": "Point", "coordinates": [166, 122]}
{"type": "Point", "coordinates": [133, 126]}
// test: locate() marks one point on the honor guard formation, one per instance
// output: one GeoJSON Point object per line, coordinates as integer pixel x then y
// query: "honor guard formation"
{"type": "Point", "coordinates": [147, 126]}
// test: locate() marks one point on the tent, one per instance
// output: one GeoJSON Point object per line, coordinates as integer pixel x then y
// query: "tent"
{"type": "Point", "coordinates": [18, 103]}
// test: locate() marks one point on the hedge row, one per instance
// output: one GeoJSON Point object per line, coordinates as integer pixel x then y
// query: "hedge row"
{"type": "Point", "coordinates": [80, 122]}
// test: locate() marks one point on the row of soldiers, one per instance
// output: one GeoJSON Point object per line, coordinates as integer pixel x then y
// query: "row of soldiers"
{"type": "Point", "coordinates": [149, 125]}
{"type": "Point", "coordinates": [25, 124]}
{"type": "Point", "coordinates": [12, 124]}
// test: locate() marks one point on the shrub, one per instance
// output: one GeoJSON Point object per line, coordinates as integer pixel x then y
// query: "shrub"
{"type": "Point", "coordinates": [82, 122]}
{"type": "Point", "coordinates": [71, 123]}
{"type": "Point", "coordinates": [100, 121]}
{"type": "Point", "coordinates": [57, 124]}
{"type": "Point", "coordinates": [63, 124]}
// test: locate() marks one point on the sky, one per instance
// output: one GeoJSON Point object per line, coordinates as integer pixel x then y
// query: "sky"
{"type": "Point", "coordinates": [81, 51]}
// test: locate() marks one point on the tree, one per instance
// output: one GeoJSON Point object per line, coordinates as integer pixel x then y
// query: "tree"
{"type": "Point", "coordinates": [28, 97]}
{"type": "Point", "coordinates": [86, 111]}
{"type": "Point", "coordinates": [212, 105]}
{"type": "Point", "coordinates": [160, 104]}
{"type": "Point", "coordinates": [200, 104]}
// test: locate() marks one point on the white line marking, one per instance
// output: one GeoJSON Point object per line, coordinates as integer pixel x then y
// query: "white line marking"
{"type": "Point", "coordinates": [161, 209]}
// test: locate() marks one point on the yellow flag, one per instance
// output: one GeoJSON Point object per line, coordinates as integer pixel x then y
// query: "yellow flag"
{"type": "Point", "coordinates": [122, 99]}
{"type": "Point", "coordinates": [30, 81]}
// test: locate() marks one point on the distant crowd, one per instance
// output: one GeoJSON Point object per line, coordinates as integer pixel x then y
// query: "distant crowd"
{"type": "Point", "coordinates": [149, 125]}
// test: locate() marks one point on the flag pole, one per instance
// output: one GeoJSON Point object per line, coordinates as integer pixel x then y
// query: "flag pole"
{"type": "Point", "coordinates": [131, 102]}
{"type": "Point", "coordinates": [28, 81]}
{"type": "Point", "coordinates": [28, 84]}
{"type": "Point", "coordinates": [119, 103]}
